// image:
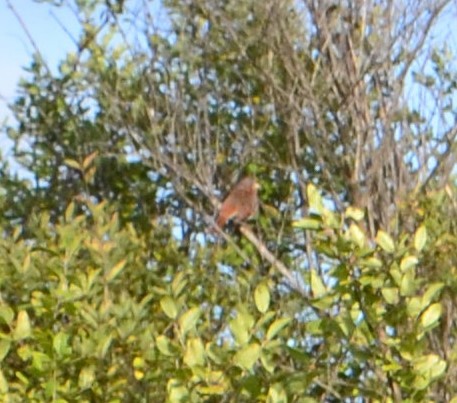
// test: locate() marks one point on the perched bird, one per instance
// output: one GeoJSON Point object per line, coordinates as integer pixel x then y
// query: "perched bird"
{"type": "Point", "coordinates": [241, 203]}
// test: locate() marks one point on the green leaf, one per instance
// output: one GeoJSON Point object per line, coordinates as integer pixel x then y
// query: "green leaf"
{"type": "Point", "coordinates": [60, 344]}
{"type": "Point", "coordinates": [86, 377]}
{"type": "Point", "coordinates": [276, 327]}
{"type": "Point", "coordinates": [7, 314]}
{"type": "Point", "coordinates": [354, 213]}
{"type": "Point", "coordinates": [414, 307]}
{"type": "Point", "coordinates": [391, 295]}
{"type": "Point", "coordinates": [114, 271]}
{"type": "Point", "coordinates": [169, 307]}
{"type": "Point", "coordinates": [188, 320]}
{"type": "Point", "coordinates": [277, 394]}
{"type": "Point", "coordinates": [195, 353]}
{"type": "Point", "coordinates": [89, 159]}
{"type": "Point", "coordinates": [23, 328]}
{"type": "Point", "coordinates": [165, 346]}
{"type": "Point", "coordinates": [262, 297]}
{"type": "Point", "coordinates": [316, 204]}
{"type": "Point", "coordinates": [3, 383]}
{"type": "Point", "coordinates": [73, 164]}
{"type": "Point", "coordinates": [268, 361]}
{"type": "Point", "coordinates": [5, 346]}
{"type": "Point", "coordinates": [408, 283]}
{"type": "Point", "coordinates": [241, 326]}
{"type": "Point", "coordinates": [384, 240]}
{"type": "Point", "coordinates": [308, 223]}
{"type": "Point", "coordinates": [40, 360]}
{"type": "Point", "coordinates": [357, 236]}
{"type": "Point", "coordinates": [408, 262]}
{"type": "Point", "coordinates": [317, 286]}
{"type": "Point", "coordinates": [429, 366]}
{"type": "Point", "coordinates": [177, 392]}
{"type": "Point", "coordinates": [103, 345]}
{"type": "Point", "coordinates": [247, 356]}
{"type": "Point", "coordinates": [420, 238]}
{"type": "Point", "coordinates": [179, 283]}
{"type": "Point", "coordinates": [431, 292]}
{"type": "Point", "coordinates": [431, 316]}
{"type": "Point", "coordinates": [371, 263]}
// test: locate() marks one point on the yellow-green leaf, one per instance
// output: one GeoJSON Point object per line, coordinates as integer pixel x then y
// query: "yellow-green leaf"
{"type": "Point", "coordinates": [169, 307]}
{"type": "Point", "coordinates": [5, 346]}
{"type": "Point", "coordinates": [88, 160]}
{"type": "Point", "coordinates": [316, 204]}
{"type": "Point", "coordinates": [60, 344]}
{"type": "Point", "coordinates": [247, 356]}
{"type": "Point", "coordinates": [432, 291]}
{"type": "Point", "coordinates": [430, 366]}
{"type": "Point", "coordinates": [276, 327]}
{"type": "Point", "coordinates": [241, 326]}
{"type": "Point", "coordinates": [420, 238]}
{"type": "Point", "coordinates": [308, 223]}
{"type": "Point", "coordinates": [86, 377]}
{"type": "Point", "coordinates": [262, 297]}
{"type": "Point", "coordinates": [114, 271]}
{"type": "Point", "coordinates": [195, 353]}
{"type": "Point", "coordinates": [390, 295]}
{"type": "Point", "coordinates": [164, 345]}
{"type": "Point", "coordinates": [356, 235]}
{"type": "Point", "coordinates": [7, 314]}
{"type": "Point", "coordinates": [277, 394]}
{"type": "Point", "coordinates": [317, 285]}
{"type": "Point", "coordinates": [354, 213]}
{"type": "Point", "coordinates": [3, 383]}
{"type": "Point", "coordinates": [73, 164]}
{"type": "Point", "coordinates": [188, 320]}
{"type": "Point", "coordinates": [408, 283]}
{"type": "Point", "coordinates": [384, 240]}
{"type": "Point", "coordinates": [408, 262]}
{"type": "Point", "coordinates": [23, 328]}
{"type": "Point", "coordinates": [431, 315]}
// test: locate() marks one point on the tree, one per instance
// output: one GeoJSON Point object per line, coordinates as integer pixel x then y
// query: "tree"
{"type": "Point", "coordinates": [113, 287]}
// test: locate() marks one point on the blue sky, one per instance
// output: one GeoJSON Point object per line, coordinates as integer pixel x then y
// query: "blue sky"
{"type": "Point", "coordinates": [42, 22]}
{"type": "Point", "coordinates": [16, 48]}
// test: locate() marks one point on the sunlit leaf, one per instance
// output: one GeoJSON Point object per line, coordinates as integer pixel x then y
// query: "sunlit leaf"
{"type": "Point", "coordinates": [276, 327]}
{"type": "Point", "coordinates": [354, 213]}
{"type": "Point", "coordinates": [195, 353]}
{"type": "Point", "coordinates": [308, 223]}
{"type": "Point", "coordinates": [247, 356]}
{"type": "Point", "coordinates": [3, 383]}
{"type": "Point", "coordinates": [189, 319]}
{"type": "Point", "coordinates": [262, 297]}
{"type": "Point", "coordinates": [115, 270]}
{"type": "Point", "coordinates": [384, 240]}
{"type": "Point", "coordinates": [356, 235]}
{"type": "Point", "coordinates": [317, 285]}
{"type": "Point", "coordinates": [408, 262]}
{"type": "Point", "coordinates": [86, 377]}
{"type": "Point", "coordinates": [391, 295]}
{"type": "Point", "coordinates": [431, 315]}
{"type": "Point", "coordinates": [169, 307]}
{"type": "Point", "coordinates": [316, 204]}
{"type": "Point", "coordinates": [73, 164]}
{"type": "Point", "coordinates": [277, 394]}
{"type": "Point", "coordinates": [420, 238]}
{"type": "Point", "coordinates": [23, 328]}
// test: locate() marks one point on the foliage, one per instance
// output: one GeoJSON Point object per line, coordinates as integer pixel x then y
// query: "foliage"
{"type": "Point", "coordinates": [114, 288]}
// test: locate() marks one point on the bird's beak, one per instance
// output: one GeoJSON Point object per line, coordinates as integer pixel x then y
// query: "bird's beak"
{"type": "Point", "coordinates": [256, 186]}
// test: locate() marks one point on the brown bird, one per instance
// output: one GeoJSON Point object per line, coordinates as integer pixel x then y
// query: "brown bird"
{"type": "Point", "coordinates": [241, 203]}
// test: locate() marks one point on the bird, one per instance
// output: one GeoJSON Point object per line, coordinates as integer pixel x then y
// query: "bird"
{"type": "Point", "coordinates": [240, 204]}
